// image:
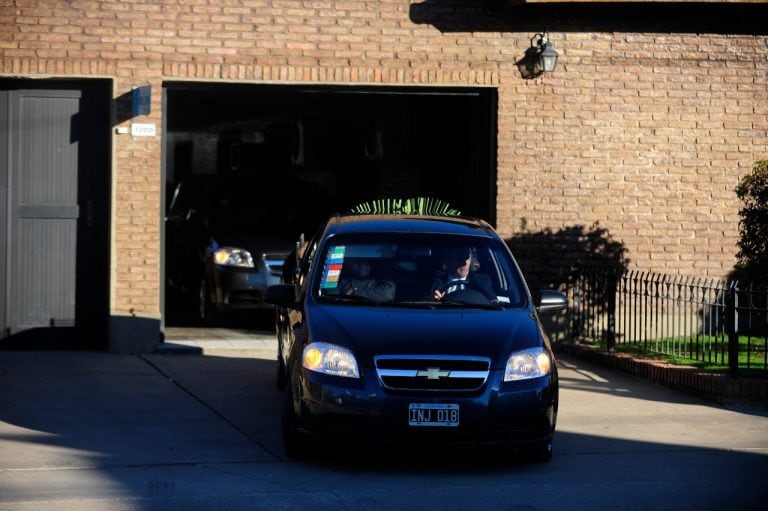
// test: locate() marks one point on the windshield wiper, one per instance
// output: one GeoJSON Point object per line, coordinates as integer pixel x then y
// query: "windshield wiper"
{"type": "Point", "coordinates": [470, 305]}
{"type": "Point", "coordinates": [429, 304]}
{"type": "Point", "coordinates": [434, 304]}
{"type": "Point", "coordinates": [352, 299]}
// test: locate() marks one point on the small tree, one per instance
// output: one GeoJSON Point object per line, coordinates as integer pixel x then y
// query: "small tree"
{"type": "Point", "coordinates": [753, 225]}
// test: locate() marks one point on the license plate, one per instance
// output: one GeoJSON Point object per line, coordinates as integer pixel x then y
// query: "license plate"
{"type": "Point", "coordinates": [430, 414]}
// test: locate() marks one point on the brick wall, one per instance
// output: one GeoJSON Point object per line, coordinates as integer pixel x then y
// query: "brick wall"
{"type": "Point", "coordinates": [641, 133]}
{"type": "Point", "coordinates": [649, 134]}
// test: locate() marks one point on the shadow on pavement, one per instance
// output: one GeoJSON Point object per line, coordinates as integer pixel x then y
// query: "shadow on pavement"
{"type": "Point", "coordinates": [195, 432]}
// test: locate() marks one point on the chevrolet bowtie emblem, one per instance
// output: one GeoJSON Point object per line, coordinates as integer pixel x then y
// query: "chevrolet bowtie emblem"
{"type": "Point", "coordinates": [433, 373]}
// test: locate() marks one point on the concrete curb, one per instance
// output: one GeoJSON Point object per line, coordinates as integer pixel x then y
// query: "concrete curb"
{"type": "Point", "coordinates": [255, 346]}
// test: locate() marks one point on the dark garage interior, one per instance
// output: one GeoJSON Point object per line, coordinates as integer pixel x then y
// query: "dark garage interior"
{"type": "Point", "coordinates": [329, 148]}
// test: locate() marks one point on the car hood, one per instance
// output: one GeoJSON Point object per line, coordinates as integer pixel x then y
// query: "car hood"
{"type": "Point", "coordinates": [371, 331]}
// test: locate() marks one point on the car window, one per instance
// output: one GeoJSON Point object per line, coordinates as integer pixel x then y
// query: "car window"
{"type": "Point", "coordinates": [413, 264]}
{"type": "Point", "coordinates": [307, 256]}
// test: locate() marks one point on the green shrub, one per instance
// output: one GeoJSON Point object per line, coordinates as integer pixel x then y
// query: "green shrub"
{"type": "Point", "coordinates": [753, 223]}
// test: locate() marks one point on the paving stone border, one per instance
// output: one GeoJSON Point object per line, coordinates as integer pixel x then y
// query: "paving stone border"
{"type": "Point", "coordinates": [721, 388]}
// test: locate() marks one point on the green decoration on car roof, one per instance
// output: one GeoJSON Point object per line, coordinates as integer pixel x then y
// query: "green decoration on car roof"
{"type": "Point", "coordinates": [406, 206]}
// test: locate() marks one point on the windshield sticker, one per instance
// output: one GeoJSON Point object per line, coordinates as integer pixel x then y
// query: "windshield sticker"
{"type": "Point", "coordinates": [332, 269]}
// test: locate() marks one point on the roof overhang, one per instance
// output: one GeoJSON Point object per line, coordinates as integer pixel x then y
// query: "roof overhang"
{"type": "Point", "coordinates": [523, 2]}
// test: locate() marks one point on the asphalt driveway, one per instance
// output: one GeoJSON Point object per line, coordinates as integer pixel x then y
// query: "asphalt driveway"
{"type": "Point", "coordinates": [177, 431]}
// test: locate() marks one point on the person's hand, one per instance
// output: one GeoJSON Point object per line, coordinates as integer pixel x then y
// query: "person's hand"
{"type": "Point", "coordinates": [439, 295]}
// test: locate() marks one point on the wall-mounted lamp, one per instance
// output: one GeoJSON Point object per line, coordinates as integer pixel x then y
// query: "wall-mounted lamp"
{"type": "Point", "coordinates": [540, 58]}
{"type": "Point", "coordinates": [548, 55]}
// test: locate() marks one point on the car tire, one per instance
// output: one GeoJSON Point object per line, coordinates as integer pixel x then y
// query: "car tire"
{"type": "Point", "coordinates": [280, 378]}
{"type": "Point", "coordinates": [206, 310]}
{"type": "Point", "coordinates": [295, 443]}
{"type": "Point", "coordinates": [539, 452]}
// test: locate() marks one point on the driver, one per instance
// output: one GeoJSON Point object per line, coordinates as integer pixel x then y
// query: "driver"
{"type": "Point", "coordinates": [457, 276]}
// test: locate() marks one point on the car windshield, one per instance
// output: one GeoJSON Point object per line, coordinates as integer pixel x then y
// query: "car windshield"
{"type": "Point", "coordinates": [417, 270]}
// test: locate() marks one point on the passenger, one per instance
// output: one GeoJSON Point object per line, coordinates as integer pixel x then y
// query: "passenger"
{"type": "Point", "coordinates": [458, 275]}
{"type": "Point", "coordinates": [356, 280]}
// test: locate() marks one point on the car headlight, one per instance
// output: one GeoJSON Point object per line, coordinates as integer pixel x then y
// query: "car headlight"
{"type": "Point", "coordinates": [525, 364]}
{"type": "Point", "coordinates": [230, 256]}
{"type": "Point", "coordinates": [330, 359]}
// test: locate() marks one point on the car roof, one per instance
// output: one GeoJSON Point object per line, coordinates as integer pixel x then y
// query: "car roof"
{"type": "Point", "coordinates": [424, 224]}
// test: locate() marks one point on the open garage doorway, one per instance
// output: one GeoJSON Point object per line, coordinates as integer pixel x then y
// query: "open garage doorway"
{"type": "Point", "coordinates": [297, 153]}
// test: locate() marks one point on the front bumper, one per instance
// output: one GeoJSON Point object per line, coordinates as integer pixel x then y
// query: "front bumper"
{"type": "Point", "coordinates": [507, 413]}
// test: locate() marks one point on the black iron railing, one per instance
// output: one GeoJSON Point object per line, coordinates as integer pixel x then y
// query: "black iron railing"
{"type": "Point", "coordinates": [717, 322]}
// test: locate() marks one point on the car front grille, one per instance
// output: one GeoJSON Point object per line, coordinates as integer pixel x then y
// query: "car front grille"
{"type": "Point", "coordinates": [432, 373]}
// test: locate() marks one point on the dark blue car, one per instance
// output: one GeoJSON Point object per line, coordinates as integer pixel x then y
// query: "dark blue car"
{"type": "Point", "coordinates": [414, 329]}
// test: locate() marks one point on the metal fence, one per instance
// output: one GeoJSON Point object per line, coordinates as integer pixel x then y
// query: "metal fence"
{"type": "Point", "coordinates": [718, 322]}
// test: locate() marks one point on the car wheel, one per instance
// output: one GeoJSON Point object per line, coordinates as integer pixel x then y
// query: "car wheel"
{"type": "Point", "coordinates": [295, 443]}
{"type": "Point", "coordinates": [280, 378]}
{"type": "Point", "coordinates": [206, 311]}
{"type": "Point", "coordinates": [539, 452]}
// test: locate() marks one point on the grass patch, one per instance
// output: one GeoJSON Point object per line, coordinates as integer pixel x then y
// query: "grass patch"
{"type": "Point", "coordinates": [713, 352]}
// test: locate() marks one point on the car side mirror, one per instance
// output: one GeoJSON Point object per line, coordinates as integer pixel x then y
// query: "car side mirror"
{"type": "Point", "coordinates": [281, 295]}
{"type": "Point", "coordinates": [550, 301]}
